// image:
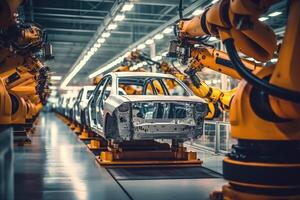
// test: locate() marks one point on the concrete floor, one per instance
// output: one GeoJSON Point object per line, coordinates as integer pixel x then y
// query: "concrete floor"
{"type": "Point", "coordinates": [58, 166]}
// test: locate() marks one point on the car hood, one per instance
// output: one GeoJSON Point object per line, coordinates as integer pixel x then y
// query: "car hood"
{"type": "Point", "coordinates": [140, 98]}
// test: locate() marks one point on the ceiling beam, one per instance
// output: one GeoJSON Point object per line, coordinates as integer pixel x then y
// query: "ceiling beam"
{"type": "Point", "coordinates": [69, 16]}
{"type": "Point", "coordinates": [92, 31]}
{"type": "Point", "coordinates": [70, 30]}
{"type": "Point", "coordinates": [70, 10]}
{"type": "Point", "coordinates": [145, 2]}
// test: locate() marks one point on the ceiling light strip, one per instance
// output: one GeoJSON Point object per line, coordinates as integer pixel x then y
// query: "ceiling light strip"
{"type": "Point", "coordinates": [103, 31]}
{"type": "Point", "coordinates": [165, 27]}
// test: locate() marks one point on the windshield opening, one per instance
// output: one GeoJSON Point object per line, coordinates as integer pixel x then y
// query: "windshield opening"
{"type": "Point", "coordinates": [151, 86]}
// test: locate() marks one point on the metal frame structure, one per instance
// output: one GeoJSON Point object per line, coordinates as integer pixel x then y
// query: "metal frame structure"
{"type": "Point", "coordinates": [74, 25]}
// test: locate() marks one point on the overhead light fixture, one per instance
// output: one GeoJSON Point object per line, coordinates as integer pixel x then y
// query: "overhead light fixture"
{"type": "Point", "coordinates": [101, 40]}
{"type": "Point", "coordinates": [119, 17]}
{"type": "Point", "coordinates": [94, 49]}
{"type": "Point", "coordinates": [158, 36]}
{"type": "Point", "coordinates": [112, 26]}
{"type": "Point", "coordinates": [274, 14]}
{"type": "Point", "coordinates": [105, 34]}
{"type": "Point", "coordinates": [55, 78]}
{"type": "Point", "coordinates": [91, 53]}
{"type": "Point", "coordinates": [167, 30]}
{"type": "Point", "coordinates": [127, 7]}
{"type": "Point", "coordinates": [141, 46]}
{"type": "Point", "coordinates": [97, 45]}
{"type": "Point", "coordinates": [150, 41]}
{"type": "Point", "coordinates": [198, 12]}
{"type": "Point", "coordinates": [127, 54]}
{"type": "Point", "coordinates": [87, 56]}
{"type": "Point", "coordinates": [263, 19]}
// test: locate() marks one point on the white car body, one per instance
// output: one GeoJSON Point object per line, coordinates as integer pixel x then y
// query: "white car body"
{"type": "Point", "coordinates": [166, 116]}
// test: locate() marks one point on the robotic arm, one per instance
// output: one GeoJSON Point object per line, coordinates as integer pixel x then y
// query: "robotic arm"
{"type": "Point", "coordinates": [264, 114]}
{"type": "Point", "coordinates": [24, 78]}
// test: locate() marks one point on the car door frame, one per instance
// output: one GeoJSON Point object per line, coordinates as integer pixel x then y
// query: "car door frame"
{"type": "Point", "coordinates": [93, 96]}
{"type": "Point", "coordinates": [100, 116]}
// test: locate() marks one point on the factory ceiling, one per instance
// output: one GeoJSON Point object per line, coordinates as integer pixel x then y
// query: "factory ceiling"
{"type": "Point", "coordinates": [71, 26]}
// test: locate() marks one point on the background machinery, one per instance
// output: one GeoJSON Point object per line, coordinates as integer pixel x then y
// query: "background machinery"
{"type": "Point", "coordinates": [23, 76]}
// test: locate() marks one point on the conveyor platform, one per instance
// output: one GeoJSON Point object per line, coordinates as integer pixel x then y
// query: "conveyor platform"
{"type": "Point", "coordinates": [58, 165]}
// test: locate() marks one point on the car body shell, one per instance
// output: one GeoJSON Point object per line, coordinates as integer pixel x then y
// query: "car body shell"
{"type": "Point", "coordinates": [136, 128]}
{"type": "Point", "coordinates": [81, 103]}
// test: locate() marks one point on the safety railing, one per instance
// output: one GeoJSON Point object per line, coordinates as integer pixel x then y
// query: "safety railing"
{"type": "Point", "coordinates": [216, 137]}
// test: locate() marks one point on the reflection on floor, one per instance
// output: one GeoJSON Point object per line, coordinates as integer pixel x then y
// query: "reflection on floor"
{"type": "Point", "coordinates": [58, 166]}
{"type": "Point", "coordinates": [210, 160]}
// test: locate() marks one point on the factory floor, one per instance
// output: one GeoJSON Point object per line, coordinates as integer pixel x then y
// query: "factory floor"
{"type": "Point", "coordinates": [57, 165]}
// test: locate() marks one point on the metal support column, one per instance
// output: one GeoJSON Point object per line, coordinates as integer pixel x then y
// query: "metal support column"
{"type": "Point", "coordinates": [153, 54]}
{"type": "Point", "coordinates": [217, 138]}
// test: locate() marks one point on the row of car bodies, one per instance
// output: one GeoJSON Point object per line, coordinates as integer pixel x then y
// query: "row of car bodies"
{"type": "Point", "coordinates": [127, 106]}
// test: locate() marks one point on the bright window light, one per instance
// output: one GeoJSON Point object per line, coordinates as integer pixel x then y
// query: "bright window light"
{"type": "Point", "coordinates": [55, 78]}
{"type": "Point", "coordinates": [167, 30]}
{"type": "Point", "coordinates": [274, 14]}
{"type": "Point", "coordinates": [119, 17]}
{"type": "Point", "coordinates": [112, 26]}
{"type": "Point", "coordinates": [127, 7]}
{"type": "Point", "coordinates": [141, 46]}
{"type": "Point", "coordinates": [105, 34]}
{"type": "Point", "coordinates": [214, 1]}
{"type": "Point", "coordinates": [158, 36]}
{"type": "Point", "coordinates": [198, 12]}
{"type": "Point", "coordinates": [150, 41]}
{"type": "Point", "coordinates": [263, 19]}
{"type": "Point", "coordinates": [101, 40]}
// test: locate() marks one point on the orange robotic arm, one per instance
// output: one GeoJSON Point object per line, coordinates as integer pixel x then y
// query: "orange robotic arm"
{"type": "Point", "coordinates": [239, 20]}
{"type": "Point", "coordinates": [264, 114]}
